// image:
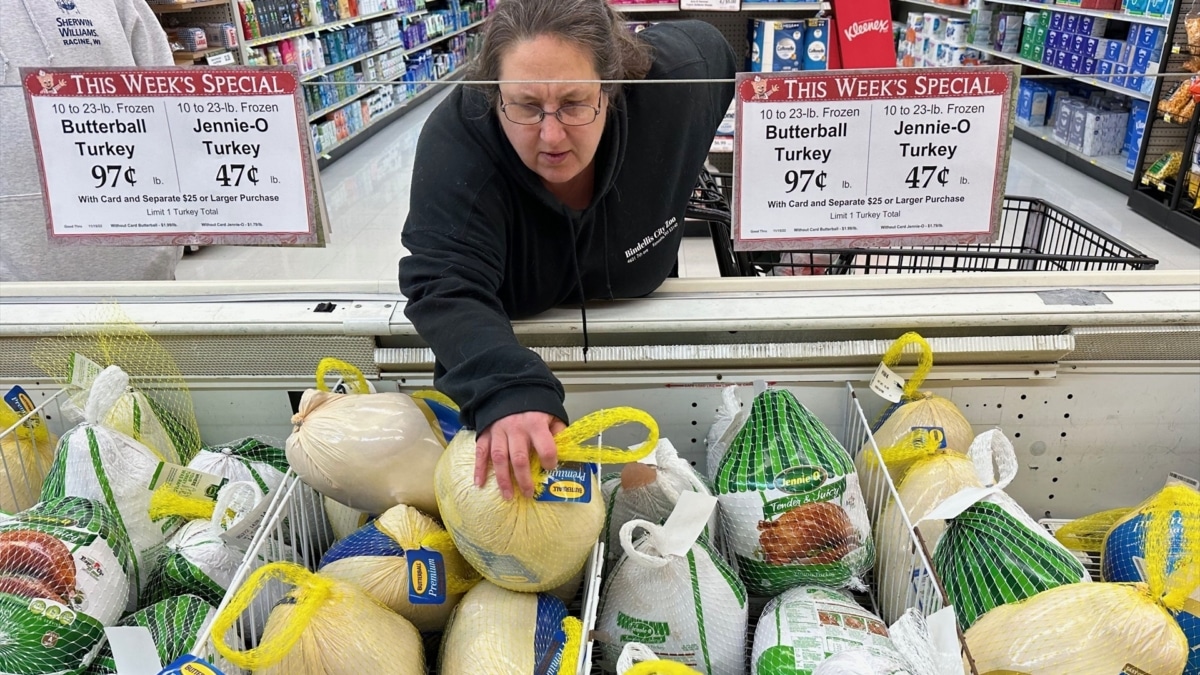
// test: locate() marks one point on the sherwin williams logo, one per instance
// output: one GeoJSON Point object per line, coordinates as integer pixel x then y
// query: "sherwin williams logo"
{"type": "Point", "coordinates": [800, 479]}
{"type": "Point", "coordinates": [640, 630]}
{"type": "Point", "coordinates": [420, 577]}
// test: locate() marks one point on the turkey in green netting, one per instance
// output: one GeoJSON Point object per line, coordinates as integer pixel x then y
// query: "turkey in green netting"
{"type": "Point", "coordinates": [791, 507]}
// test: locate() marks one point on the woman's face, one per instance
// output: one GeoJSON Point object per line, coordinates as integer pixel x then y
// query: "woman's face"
{"type": "Point", "coordinates": [555, 151]}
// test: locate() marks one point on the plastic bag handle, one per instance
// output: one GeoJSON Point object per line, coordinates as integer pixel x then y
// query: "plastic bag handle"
{"type": "Point", "coordinates": [924, 362]}
{"type": "Point", "coordinates": [355, 381]}
{"type": "Point", "coordinates": [990, 450]}
{"type": "Point", "coordinates": [626, 537]}
{"type": "Point", "coordinates": [631, 653]}
{"type": "Point", "coordinates": [570, 440]}
{"type": "Point", "coordinates": [311, 591]}
{"type": "Point", "coordinates": [109, 386]}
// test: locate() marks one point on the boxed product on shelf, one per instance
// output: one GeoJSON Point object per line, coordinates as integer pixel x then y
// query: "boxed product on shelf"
{"type": "Point", "coordinates": [1104, 132]}
{"type": "Point", "coordinates": [1033, 98]}
{"type": "Point", "coordinates": [1006, 35]}
{"type": "Point", "coordinates": [1138, 114]}
{"type": "Point", "coordinates": [191, 38]}
{"type": "Point", "coordinates": [776, 46]}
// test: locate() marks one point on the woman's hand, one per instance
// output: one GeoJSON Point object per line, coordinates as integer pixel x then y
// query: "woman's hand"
{"type": "Point", "coordinates": [506, 444]}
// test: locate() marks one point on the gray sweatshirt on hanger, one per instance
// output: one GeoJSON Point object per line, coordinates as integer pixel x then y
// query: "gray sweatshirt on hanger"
{"type": "Point", "coordinates": [66, 33]}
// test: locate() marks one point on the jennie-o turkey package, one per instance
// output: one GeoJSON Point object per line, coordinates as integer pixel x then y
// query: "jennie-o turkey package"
{"type": "Point", "coordinates": [805, 625]}
{"type": "Point", "coordinates": [649, 490]}
{"type": "Point", "coordinates": [916, 411]}
{"type": "Point", "coordinates": [534, 544]}
{"type": "Point", "coordinates": [671, 591]}
{"type": "Point", "coordinates": [64, 575]}
{"type": "Point", "coordinates": [376, 558]}
{"type": "Point", "coordinates": [322, 627]}
{"type": "Point", "coordinates": [791, 509]}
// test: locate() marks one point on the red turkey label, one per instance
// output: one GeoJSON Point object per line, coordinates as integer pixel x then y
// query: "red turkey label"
{"type": "Point", "coordinates": [865, 33]}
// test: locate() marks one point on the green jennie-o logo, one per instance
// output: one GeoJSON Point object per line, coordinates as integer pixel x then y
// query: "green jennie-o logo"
{"type": "Point", "coordinates": [640, 630]}
{"type": "Point", "coordinates": [801, 479]}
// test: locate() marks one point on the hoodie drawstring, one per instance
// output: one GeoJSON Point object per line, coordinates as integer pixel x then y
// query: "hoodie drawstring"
{"type": "Point", "coordinates": [38, 29]}
{"type": "Point", "coordinates": [571, 223]}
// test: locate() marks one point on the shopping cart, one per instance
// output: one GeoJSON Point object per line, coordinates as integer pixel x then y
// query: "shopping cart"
{"type": "Point", "coordinates": [1035, 236]}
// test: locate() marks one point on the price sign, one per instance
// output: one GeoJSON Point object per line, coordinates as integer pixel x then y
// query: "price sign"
{"type": "Point", "coordinates": [870, 158]}
{"type": "Point", "coordinates": [154, 156]}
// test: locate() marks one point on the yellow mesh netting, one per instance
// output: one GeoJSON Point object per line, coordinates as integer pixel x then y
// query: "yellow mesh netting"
{"type": "Point", "coordinates": [351, 376]}
{"type": "Point", "coordinates": [167, 502]}
{"type": "Point", "coordinates": [570, 441]}
{"type": "Point", "coordinates": [1087, 534]}
{"type": "Point", "coordinates": [573, 630]}
{"type": "Point", "coordinates": [443, 543]}
{"type": "Point", "coordinates": [1172, 584]}
{"type": "Point", "coordinates": [310, 593]}
{"type": "Point", "coordinates": [107, 336]}
{"type": "Point", "coordinates": [660, 668]}
{"type": "Point", "coordinates": [924, 361]}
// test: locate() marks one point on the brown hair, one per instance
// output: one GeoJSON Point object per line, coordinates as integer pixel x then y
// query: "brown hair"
{"type": "Point", "coordinates": [593, 25]}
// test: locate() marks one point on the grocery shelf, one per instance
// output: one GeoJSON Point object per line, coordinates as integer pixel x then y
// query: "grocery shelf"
{"type": "Point", "coordinates": [192, 57]}
{"type": "Point", "coordinates": [953, 9]}
{"type": "Point", "coordinates": [1100, 13]}
{"type": "Point", "coordinates": [266, 40]}
{"type": "Point", "coordinates": [173, 7]}
{"type": "Point", "coordinates": [353, 140]}
{"type": "Point", "coordinates": [721, 145]}
{"type": "Point", "coordinates": [447, 36]}
{"type": "Point", "coordinates": [746, 7]}
{"type": "Point", "coordinates": [1087, 79]}
{"type": "Point", "coordinates": [370, 88]}
{"type": "Point", "coordinates": [349, 62]}
{"type": "Point", "coordinates": [1108, 169]}
{"type": "Point", "coordinates": [1182, 224]}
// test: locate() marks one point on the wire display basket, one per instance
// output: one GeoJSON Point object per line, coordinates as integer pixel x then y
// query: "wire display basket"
{"type": "Point", "coordinates": [294, 528]}
{"type": "Point", "coordinates": [1035, 236]}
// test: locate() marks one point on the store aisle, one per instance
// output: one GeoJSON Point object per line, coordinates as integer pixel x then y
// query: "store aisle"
{"type": "Point", "coordinates": [367, 197]}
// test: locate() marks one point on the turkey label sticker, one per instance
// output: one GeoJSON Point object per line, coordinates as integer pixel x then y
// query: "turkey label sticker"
{"type": "Point", "coordinates": [426, 577]}
{"type": "Point", "coordinates": [570, 482]}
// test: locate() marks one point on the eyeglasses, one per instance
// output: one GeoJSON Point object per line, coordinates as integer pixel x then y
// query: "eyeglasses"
{"type": "Point", "coordinates": [572, 114]}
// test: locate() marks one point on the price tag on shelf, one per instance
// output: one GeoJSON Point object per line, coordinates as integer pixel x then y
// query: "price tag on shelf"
{"type": "Point", "coordinates": [871, 158]}
{"type": "Point", "coordinates": [154, 156]}
{"type": "Point", "coordinates": [711, 5]}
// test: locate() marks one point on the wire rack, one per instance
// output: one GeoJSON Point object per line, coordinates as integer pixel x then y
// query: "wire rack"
{"type": "Point", "coordinates": [1035, 236]}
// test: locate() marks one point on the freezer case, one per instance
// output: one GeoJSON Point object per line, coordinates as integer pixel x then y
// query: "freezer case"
{"type": "Point", "coordinates": [1094, 376]}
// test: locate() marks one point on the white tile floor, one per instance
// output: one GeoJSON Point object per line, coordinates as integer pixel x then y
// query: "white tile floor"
{"type": "Point", "coordinates": [367, 197]}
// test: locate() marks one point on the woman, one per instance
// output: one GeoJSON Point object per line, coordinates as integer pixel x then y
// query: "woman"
{"type": "Point", "coordinates": [546, 189]}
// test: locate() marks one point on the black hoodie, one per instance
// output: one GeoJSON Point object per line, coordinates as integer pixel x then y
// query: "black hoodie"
{"type": "Point", "coordinates": [489, 243]}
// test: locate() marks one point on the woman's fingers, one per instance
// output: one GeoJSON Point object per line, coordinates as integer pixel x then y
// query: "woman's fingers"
{"type": "Point", "coordinates": [499, 454]}
{"type": "Point", "coordinates": [483, 450]}
{"type": "Point", "coordinates": [518, 454]}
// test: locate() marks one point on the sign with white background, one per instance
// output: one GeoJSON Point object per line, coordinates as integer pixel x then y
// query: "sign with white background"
{"type": "Point", "coordinates": [154, 156]}
{"type": "Point", "coordinates": [871, 158]}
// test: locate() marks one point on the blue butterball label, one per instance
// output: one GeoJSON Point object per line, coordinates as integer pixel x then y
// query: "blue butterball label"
{"type": "Point", "coordinates": [426, 577]}
{"type": "Point", "coordinates": [190, 665]}
{"type": "Point", "coordinates": [570, 482]}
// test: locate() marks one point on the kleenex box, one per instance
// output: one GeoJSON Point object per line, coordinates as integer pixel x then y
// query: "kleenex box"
{"type": "Point", "coordinates": [1078, 128]}
{"type": "Point", "coordinates": [1109, 50]}
{"type": "Point", "coordinates": [1031, 103]}
{"type": "Point", "coordinates": [776, 46]}
{"type": "Point", "coordinates": [1092, 26]}
{"type": "Point", "coordinates": [1120, 71]}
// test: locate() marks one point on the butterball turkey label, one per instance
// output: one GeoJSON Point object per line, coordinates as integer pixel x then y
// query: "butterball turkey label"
{"type": "Point", "coordinates": [153, 156]}
{"type": "Point", "coordinates": [871, 158]}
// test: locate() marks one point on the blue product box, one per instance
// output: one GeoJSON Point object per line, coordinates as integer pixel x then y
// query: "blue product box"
{"type": "Point", "coordinates": [1079, 44]}
{"type": "Point", "coordinates": [1140, 61]}
{"type": "Point", "coordinates": [1071, 23]}
{"type": "Point", "coordinates": [1109, 50]}
{"type": "Point", "coordinates": [1134, 82]}
{"type": "Point", "coordinates": [1075, 63]}
{"type": "Point", "coordinates": [1120, 71]}
{"type": "Point", "coordinates": [1078, 128]}
{"type": "Point", "coordinates": [1062, 60]}
{"type": "Point", "coordinates": [1089, 66]}
{"type": "Point", "coordinates": [1048, 56]}
{"type": "Point", "coordinates": [1136, 7]}
{"type": "Point", "coordinates": [1057, 20]}
{"type": "Point", "coordinates": [1159, 7]}
{"type": "Point", "coordinates": [816, 44]}
{"type": "Point", "coordinates": [1150, 37]}
{"type": "Point", "coordinates": [1066, 41]}
{"type": "Point", "coordinates": [1032, 101]}
{"type": "Point", "coordinates": [1139, 112]}
{"type": "Point", "coordinates": [1092, 26]}
{"type": "Point", "coordinates": [1052, 38]}
{"type": "Point", "coordinates": [1104, 68]}
{"type": "Point", "coordinates": [776, 46]}
{"type": "Point", "coordinates": [1090, 46]}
